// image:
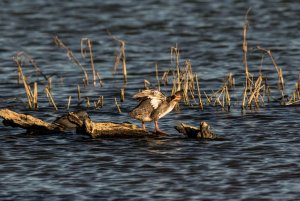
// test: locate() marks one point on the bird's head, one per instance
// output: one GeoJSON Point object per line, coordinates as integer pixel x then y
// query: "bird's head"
{"type": "Point", "coordinates": [177, 96]}
{"type": "Point", "coordinates": [204, 126]}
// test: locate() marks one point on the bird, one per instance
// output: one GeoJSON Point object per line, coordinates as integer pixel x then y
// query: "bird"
{"type": "Point", "coordinates": [153, 105]}
{"type": "Point", "coordinates": [202, 132]}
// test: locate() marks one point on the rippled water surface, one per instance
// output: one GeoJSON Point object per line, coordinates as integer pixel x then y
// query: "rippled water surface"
{"type": "Point", "coordinates": [258, 161]}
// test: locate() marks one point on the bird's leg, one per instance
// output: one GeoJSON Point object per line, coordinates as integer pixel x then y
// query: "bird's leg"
{"type": "Point", "coordinates": [157, 130]}
{"type": "Point", "coordinates": [143, 125]}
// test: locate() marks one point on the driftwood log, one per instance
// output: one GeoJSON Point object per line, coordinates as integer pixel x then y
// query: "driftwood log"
{"type": "Point", "coordinates": [77, 120]}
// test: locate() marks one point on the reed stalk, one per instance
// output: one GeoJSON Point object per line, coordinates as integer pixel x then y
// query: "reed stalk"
{"type": "Point", "coordinates": [78, 94]}
{"type": "Point", "coordinates": [245, 48]}
{"type": "Point", "coordinates": [121, 56]}
{"type": "Point", "coordinates": [100, 80]}
{"type": "Point", "coordinates": [35, 96]}
{"type": "Point", "coordinates": [156, 75]}
{"type": "Point", "coordinates": [118, 107]}
{"type": "Point", "coordinates": [146, 84]}
{"type": "Point", "coordinates": [87, 43]}
{"type": "Point", "coordinates": [99, 103]}
{"type": "Point", "coordinates": [69, 102]}
{"type": "Point", "coordinates": [25, 56]}
{"type": "Point", "coordinates": [87, 99]}
{"type": "Point", "coordinates": [175, 50]}
{"type": "Point", "coordinates": [50, 84]}
{"type": "Point", "coordinates": [50, 98]}
{"type": "Point", "coordinates": [256, 92]}
{"type": "Point", "coordinates": [199, 93]}
{"type": "Point", "coordinates": [280, 81]}
{"type": "Point", "coordinates": [122, 95]}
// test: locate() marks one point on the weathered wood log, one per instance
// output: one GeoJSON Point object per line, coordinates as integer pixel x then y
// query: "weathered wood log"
{"type": "Point", "coordinates": [78, 120]}
{"type": "Point", "coordinates": [107, 129]}
{"type": "Point", "coordinates": [202, 132]}
{"type": "Point", "coordinates": [32, 124]}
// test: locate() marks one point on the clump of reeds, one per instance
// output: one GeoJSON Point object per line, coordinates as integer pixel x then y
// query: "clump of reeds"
{"type": "Point", "coordinates": [252, 89]}
{"type": "Point", "coordinates": [222, 97]}
{"type": "Point", "coordinates": [32, 96]}
{"type": "Point", "coordinates": [295, 96]}
{"type": "Point", "coordinates": [99, 103]}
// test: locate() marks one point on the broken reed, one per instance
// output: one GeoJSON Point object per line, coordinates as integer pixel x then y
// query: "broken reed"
{"type": "Point", "coordinates": [185, 80]}
{"type": "Point", "coordinates": [280, 81]}
{"type": "Point", "coordinates": [118, 106]}
{"type": "Point", "coordinates": [120, 57]}
{"type": "Point", "coordinates": [20, 56]}
{"type": "Point", "coordinates": [245, 51]}
{"type": "Point", "coordinates": [50, 98]}
{"type": "Point", "coordinates": [296, 94]}
{"type": "Point", "coordinates": [84, 44]}
{"type": "Point", "coordinates": [99, 103]}
{"type": "Point", "coordinates": [175, 50]}
{"type": "Point", "coordinates": [59, 43]}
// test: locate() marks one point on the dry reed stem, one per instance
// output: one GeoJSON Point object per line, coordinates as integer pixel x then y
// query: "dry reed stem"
{"type": "Point", "coordinates": [100, 80]}
{"type": "Point", "coordinates": [199, 93]}
{"type": "Point", "coordinates": [122, 95]}
{"type": "Point", "coordinates": [228, 99]}
{"type": "Point", "coordinates": [256, 92]}
{"type": "Point", "coordinates": [118, 107]}
{"type": "Point", "coordinates": [50, 98]}
{"type": "Point", "coordinates": [245, 47]}
{"type": "Point", "coordinates": [23, 55]}
{"type": "Point", "coordinates": [208, 99]}
{"type": "Point", "coordinates": [175, 50]}
{"type": "Point", "coordinates": [87, 43]}
{"type": "Point", "coordinates": [146, 84]}
{"type": "Point", "coordinates": [35, 96]}
{"type": "Point", "coordinates": [78, 94]}
{"type": "Point", "coordinates": [279, 70]}
{"type": "Point", "coordinates": [87, 99]}
{"type": "Point", "coordinates": [121, 56]}
{"type": "Point", "coordinates": [50, 84]}
{"type": "Point", "coordinates": [69, 102]}
{"type": "Point", "coordinates": [99, 103]}
{"type": "Point", "coordinates": [156, 75]}
{"type": "Point", "coordinates": [244, 96]}
{"type": "Point", "coordinates": [59, 43]}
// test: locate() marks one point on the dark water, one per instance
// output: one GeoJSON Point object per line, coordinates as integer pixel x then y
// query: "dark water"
{"type": "Point", "coordinates": [260, 161]}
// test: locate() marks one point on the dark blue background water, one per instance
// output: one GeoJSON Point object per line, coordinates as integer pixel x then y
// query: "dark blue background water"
{"type": "Point", "coordinates": [259, 161]}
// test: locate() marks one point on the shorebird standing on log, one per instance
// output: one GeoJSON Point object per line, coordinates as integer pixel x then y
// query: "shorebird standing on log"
{"type": "Point", "coordinates": [153, 106]}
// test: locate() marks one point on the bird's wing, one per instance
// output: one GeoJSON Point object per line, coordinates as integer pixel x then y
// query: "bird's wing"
{"type": "Point", "coordinates": [156, 97]}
